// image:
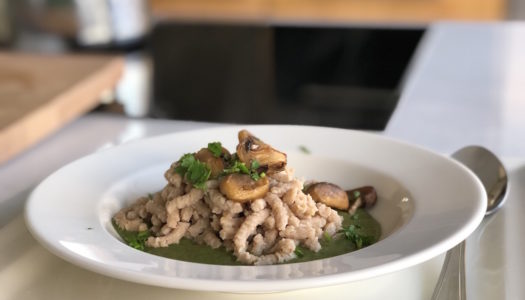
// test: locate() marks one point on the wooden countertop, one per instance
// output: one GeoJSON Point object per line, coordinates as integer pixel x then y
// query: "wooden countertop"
{"type": "Point", "coordinates": [41, 93]}
{"type": "Point", "coordinates": [353, 11]}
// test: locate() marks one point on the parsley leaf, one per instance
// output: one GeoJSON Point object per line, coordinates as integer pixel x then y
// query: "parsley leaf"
{"type": "Point", "coordinates": [138, 241]}
{"type": "Point", "coordinates": [298, 252]}
{"type": "Point", "coordinates": [215, 148]}
{"type": "Point", "coordinates": [237, 167]}
{"type": "Point", "coordinates": [193, 170]}
{"type": "Point", "coordinates": [360, 240]}
{"type": "Point", "coordinates": [303, 149]}
{"type": "Point", "coordinates": [241, 168]}
{"type": "Point", "coordinates": [327, 237]}
{"type": "Point", "coordinates": [184, 163]}
{"type": "Point", "coordinates": [253, 171]}
{"type": "Point", "coordinates": [255, 176]}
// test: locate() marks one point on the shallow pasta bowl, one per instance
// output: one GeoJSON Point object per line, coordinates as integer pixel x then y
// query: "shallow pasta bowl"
{"type": "Point", "coordinates": [427, 203]}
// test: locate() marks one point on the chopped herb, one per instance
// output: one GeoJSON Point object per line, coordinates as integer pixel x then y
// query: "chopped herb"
{"type": "Point", "coordinates": [355, 216]}
{"type": "Point", "coordinates": [357, 194]}
{"type": "Point", "coordinates": [327, 237]}
{"type": "Point", "coordinates": [215, 148]}
{"type": "Point", "coordinates": [137, 241]}
{"type": "Point", "coordinates": [360, 240]}
{"type": "Point", "coordinates": [184, 163]}
{"type": "Point", "coordinates": [255, 176]}
{"type": "Point", "coordinates": [304, 149]}
{"type": "Point", "coordinates": [237, 167]}
{"type": "Point", "coordinates": [253, 171]}
{"type": "Point", "coordinates": [89, 228]}
{"type": "Point", "coordinates": [298, 252]}
{"type": "Point", "coordinates": [241, 168]}
{"type": "Point", "coordinates": [305, 188]}
{"type": "Point", "coordinates": [193, 170]}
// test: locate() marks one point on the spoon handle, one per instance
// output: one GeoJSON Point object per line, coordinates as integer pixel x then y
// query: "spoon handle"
{"type": "Point", "coordinates": [451, 282]}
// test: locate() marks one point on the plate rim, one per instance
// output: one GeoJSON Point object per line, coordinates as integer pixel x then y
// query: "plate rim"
{"type": "Point", "coordinates": [262, 284]}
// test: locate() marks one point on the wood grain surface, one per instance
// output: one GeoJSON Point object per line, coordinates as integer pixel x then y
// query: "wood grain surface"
{"type": "Point", "coordinates": [353, 11]}
{"type": "Point", "coordinates": [41, 93]}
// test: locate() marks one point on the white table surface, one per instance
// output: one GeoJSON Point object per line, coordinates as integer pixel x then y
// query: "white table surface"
{"type": "Point", "coordinates": [465, 86]}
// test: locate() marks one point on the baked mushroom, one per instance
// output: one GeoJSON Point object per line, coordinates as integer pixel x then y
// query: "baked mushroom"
{"type": "Point", "coordinates": [241, 187]}
{"type": "Point", "coordinates": [329, 194]}
{"type": "Point", "coordinates": [366, 195]}
{"type": "Point", "coordinates": [216, 164]}
{"type": "Point", "coordinates": [250, 149]}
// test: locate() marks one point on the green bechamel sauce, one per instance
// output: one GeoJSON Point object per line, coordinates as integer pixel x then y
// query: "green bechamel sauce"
{"type": "Point", "coordinates": [187, 250]}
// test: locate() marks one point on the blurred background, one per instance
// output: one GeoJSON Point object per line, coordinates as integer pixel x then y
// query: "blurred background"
{"type": "Point", "coordinates": [321, 62]}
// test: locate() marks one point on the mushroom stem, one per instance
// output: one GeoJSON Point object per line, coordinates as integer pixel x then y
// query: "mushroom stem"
{"type": "Point", "coordinates": [367, 194]}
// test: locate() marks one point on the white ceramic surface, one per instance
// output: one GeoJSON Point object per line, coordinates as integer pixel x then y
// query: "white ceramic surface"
{"type": "Point", "coordinates": [428, 204]}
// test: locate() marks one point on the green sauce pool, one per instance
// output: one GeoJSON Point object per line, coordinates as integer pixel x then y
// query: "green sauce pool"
{"type": "Point", "coordinates": [187, 250]}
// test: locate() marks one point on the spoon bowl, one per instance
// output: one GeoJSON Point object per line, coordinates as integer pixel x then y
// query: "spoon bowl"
{"type": "Point", "coordinates": [489, 169]}
{"type": "Point", "coordinates": [492, 174]}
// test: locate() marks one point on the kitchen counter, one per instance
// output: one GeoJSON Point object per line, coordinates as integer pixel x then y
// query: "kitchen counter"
{"type": "Point", "coordinates": [465, 86]}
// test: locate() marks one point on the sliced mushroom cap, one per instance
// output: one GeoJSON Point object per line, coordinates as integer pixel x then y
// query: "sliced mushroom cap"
{"type": "Point", "coordinates": [367, 194]}
{"type": "Point", "coordinates": [250, 149]}
{"type": "Point", "coordinates": [329, 194]}
{"type": "Point", "coordinates": [241, 187]}
{"type": "Point", "coordinates": [216, 164]}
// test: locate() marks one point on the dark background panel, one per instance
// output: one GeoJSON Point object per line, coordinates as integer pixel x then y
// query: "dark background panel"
{"type": "Point", "coordinates": [342, 77]}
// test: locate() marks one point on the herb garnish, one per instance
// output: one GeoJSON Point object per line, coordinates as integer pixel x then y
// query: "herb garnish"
{"type": "Point", "coordinates": [241, 168]}
{"type": "Point", "coordinates": [303, 149]}
{"type": "Point", "coordinates": [215, 148]}
{"type": "Point", "coordinates": [237, 167]}
{"type": "Point", "coordinates": [137, 241]}
{"type": "Point", "coordinates": [327, 237]}
{"type": "Point", "coordinates": [253, 171]}
{"type": "Point", "coordinates": [193, 170]}
{"type": "Point", "coordinates": [353, 234]}
{"type": "Point", "coordinates": [306, 187]}
{"type": "Point", "coordinates": [298, 252]}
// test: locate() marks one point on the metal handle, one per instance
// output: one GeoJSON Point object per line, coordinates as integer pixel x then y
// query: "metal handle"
{"type": "Point", "coordinates": [451, 282]}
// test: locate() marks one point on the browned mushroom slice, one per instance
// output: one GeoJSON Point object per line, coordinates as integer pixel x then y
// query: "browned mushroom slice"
{"type": "Point", "coordinates": [367, 194]}
{"type": "Point", "coordinates": [250, 149]}
{"type": "Point", "coordinates": [216, 164]}
{"type": "Point", "coordinates": [329, 194]}
{"type": "Point", "coordinates": [241, 187]}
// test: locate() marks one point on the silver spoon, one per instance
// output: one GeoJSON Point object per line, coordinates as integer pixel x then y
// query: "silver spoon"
{"type": "Point", "coordinates": [490, 170]}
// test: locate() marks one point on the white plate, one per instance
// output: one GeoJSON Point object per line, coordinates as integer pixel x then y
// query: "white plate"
{"type": "Point", "coordinates": [427, 204]}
